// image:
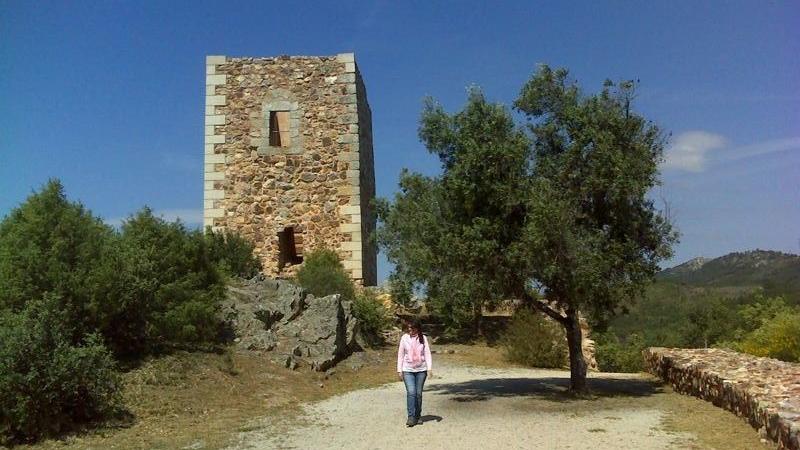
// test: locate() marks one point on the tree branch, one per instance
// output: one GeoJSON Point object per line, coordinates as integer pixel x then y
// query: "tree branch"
{"type": "Point", "coordinates": [545, 308]}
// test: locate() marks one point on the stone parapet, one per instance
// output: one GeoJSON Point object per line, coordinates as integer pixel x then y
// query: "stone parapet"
{"type": "Point", "coordinates": [764, 391]}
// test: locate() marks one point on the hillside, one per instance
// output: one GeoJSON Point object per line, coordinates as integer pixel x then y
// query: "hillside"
{"type": "Point", "coordinates": [698, 303]}
{"type": "Point", "coordinates": [776, 272]}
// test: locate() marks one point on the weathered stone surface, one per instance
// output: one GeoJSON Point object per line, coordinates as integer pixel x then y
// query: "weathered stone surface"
{"type": "Point", "coordinates": [297, 328]}
{"type": "Point", "coordinates": [270, 188]}
{"type": "Point", "coordinates": [764, 391]}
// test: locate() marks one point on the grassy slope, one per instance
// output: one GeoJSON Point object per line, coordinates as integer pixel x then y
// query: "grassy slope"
{"type": "Point", "coordinates": [187, 398]}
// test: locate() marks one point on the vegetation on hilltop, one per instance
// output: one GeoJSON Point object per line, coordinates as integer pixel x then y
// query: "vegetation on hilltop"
{"type": "Point", "coordinates": [76, 294]}
{"type": "Point", "coordinates": [777, 273]}
{"type": "Point", "coordinates": [740, 301]}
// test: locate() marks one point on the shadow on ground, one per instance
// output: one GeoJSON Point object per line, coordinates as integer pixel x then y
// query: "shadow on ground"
{"type": "Point", "coordinates": [548, 388]}
{"type": "Point", "coordinates": [429, 418]}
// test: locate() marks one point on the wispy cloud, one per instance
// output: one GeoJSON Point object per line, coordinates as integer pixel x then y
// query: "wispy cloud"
{"type": "Point", "coordinates": [694, 151]}
{"type": "Point", "coordinates": [762, 148]}
{"type": "Point", "coordinates": [191, 217]}
{"type": "Point", "coordinates": [689, 150]}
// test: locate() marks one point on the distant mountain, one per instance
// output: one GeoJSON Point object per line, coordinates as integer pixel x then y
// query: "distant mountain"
{"type": "Point", "coordinates": [776, 272]}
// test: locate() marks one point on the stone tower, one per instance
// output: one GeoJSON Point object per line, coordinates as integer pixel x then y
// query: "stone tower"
{"type": "Point", "coordinates": [288, 159]}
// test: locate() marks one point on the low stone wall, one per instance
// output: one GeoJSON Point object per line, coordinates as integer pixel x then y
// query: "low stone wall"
{"type": "Point", "coordinates": [764, 391]}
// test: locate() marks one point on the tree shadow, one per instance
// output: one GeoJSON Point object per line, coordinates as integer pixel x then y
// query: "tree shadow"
{"type": "Point", "coordinates": [429, 418]}
{"type": "Point", "coordinates": [554, 389]}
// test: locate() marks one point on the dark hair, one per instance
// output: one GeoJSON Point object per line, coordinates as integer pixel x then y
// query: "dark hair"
{"type": "Point", "coordinates": [417, 325]}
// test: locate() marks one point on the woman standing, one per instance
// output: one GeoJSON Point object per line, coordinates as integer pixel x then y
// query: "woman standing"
{"type": "Point", "coordinates": [413, 366]}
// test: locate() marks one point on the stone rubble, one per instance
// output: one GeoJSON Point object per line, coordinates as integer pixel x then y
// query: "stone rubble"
{"type": "Point", "coordinates": [764, 391]}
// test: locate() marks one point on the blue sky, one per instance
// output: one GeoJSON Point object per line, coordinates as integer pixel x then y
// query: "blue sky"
{"type": "Point", "coordinates": [108, 96]}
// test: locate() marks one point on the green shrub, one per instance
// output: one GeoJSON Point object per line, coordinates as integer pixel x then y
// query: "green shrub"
{"type": "Point", "coordinates": [323, 274]}
{"type": "Point", "coordinates": [777, 338]}
{"type": "Point", "coordinates": [47, 384]}
{"type": "Point", "coordinates": [161, 287]}
{"type": "Point", "coordinates": [51, 245]}
{"type": "Point", "coordinates": [232, 254]}
{"type": "Point", "coordinates": [532, 340]}
{"type": "Point", "coordinates": [616, 355]}
{"type": "Point", "coordinates": [371, 314]}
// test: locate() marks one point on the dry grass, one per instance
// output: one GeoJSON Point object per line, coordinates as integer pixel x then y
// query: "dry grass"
{"type": "Point", "coordinates": [188, 398]}
{"type": "Point", "coordinates": [479, 355]}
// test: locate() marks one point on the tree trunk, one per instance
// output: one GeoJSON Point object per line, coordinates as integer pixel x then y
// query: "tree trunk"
{"type": "Point", "coordinates": [577, 365]}
{"type": "Point", "coordinates": [477, 313]}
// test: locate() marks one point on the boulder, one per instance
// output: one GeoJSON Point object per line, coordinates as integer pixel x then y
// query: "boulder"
{"type": "Point", "coordinates": [295, 327]}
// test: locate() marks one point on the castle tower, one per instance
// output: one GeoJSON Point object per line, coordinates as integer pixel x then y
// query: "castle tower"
{"type": "Point", "coordinates": [288, 159]}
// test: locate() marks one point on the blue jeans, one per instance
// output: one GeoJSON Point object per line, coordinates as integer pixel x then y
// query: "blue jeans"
{"type": "Point", "coordinates": [414, 382]}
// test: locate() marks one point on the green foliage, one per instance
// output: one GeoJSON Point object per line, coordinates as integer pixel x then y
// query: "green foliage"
{"type": "Point", "coordinates": [232, 254]}
{"type": "Point", "coordinates": [323, 274]}
{"type": "Point", "coordinates": [449, 234]}
{"type": "Point", "coordinates": [777, 273]}
{"type": "Point", "coordinates": [151, 284]}
{"type": "Point", "coordinates": [617, 355]}
{"type": "Point", "coordinates": [593, 239]}
{"type": "Point", "coordinates": [561, 210]}
{"type": "Point", "coordinates": [674, 315]}
{"type": "Point", "coordinates": [371, 314]}
{"type": "Point", "coordinates": [160, 287]}
{"type": "Point", "coordinates": [778, 338]}
{"type": "Point", "coordinates": [534, 341]}
{"type": "Point", "coordinates": [51, 245]}
{"type": "Point", "coordinates": [48, 385]}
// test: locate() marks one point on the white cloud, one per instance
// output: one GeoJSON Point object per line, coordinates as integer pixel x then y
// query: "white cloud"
{"type": "Point", "coordinates": [763, 148]}
{"type": "Point", "coordinates": [191, 217]}
{"type": "Point", "coordinates": [688, 151]}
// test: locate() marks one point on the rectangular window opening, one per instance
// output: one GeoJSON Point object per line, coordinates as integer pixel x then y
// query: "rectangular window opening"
{"type": "Point", "coordinates": [279, 129]}
{"type": "Point", "coordinates": [289, 252]}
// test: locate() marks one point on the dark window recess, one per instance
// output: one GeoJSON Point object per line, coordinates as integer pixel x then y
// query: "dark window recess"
{"type": "Point", "coordinates": [290, 247]}
{"type": "Point", "coordinates": [279, 129]}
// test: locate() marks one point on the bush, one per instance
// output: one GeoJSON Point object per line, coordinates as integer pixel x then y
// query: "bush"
{"type": "Point", "coordinates": [616, 355]}
{"type": "Point", "coordinates": [776, 338]}
{"type": "Point", "coordinates": [51, 245]}
{"type": "Point", "coordinates": [323, 274]}
{"type": "Point", "coordinates": [534, 341]}
{"type": "Point", "coordinates": [47, 384]}
{"type": "Point", "coordinates": [232, 254]}
{"type": "Point", "coordinates": [161, 287]}
{"type": "Point", "coordinates": [371, 314]}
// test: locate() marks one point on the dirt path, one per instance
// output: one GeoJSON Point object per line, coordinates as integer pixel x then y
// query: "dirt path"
{"type": "Point", "coordinates": [468, 407]}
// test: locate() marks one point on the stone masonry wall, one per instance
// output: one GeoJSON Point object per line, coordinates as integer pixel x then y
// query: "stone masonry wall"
{"type": "Point", "coordinates": [369, 249]}
{"type": "Point", "coordinates": [764, 391]}
{"type": "Point", "coordinates": [318, 183]}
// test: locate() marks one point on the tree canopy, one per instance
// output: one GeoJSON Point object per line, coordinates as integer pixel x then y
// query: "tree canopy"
{"type": "Point", "coordinates": [554, 211]}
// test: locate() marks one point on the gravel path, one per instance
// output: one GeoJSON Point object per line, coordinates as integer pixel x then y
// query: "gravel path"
{"type": "Point", "coordinates": [478, 408]}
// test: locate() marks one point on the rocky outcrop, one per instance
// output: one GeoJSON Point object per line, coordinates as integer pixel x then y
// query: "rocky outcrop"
{"type": "Point", "coordinates": [764, 391]}
{"type": "Point", "coordinates": [294, 327]}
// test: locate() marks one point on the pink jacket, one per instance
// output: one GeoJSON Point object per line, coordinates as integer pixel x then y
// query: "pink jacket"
{"type": "Point", "coordinates": [411, 356]}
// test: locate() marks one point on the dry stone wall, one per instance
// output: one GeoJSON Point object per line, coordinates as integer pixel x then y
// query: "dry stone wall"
{"type": "Point", "coordinates": [764, 391]}
{"type": "Point", "coordinates": [320, 185]}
